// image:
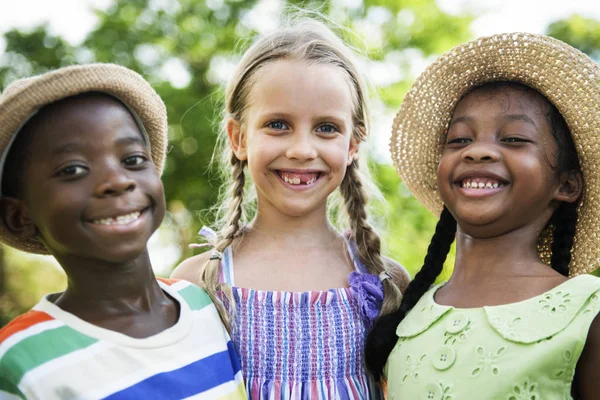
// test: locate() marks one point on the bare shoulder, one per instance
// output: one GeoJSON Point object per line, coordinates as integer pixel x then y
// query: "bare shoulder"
{"type": "Point", "coordinates": [191, 268]}
{"type": "Point", "coordinates": [400, 275]}
{"type": "Point", "coordinates": [587, 373]}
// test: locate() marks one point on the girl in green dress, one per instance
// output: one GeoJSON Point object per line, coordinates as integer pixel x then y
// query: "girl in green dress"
{"type": "Point", "coordinates": [500, 137]}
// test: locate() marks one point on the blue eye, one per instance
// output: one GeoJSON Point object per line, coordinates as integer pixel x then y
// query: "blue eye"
{"type": "Point", "coordinates": [327, 128]}
{"type": "Point", "coordinates": [72, 170]}
{"type": "Point", "coordinates": [132, 161]}
{"type": "Point", "coordinates": [277, 125]}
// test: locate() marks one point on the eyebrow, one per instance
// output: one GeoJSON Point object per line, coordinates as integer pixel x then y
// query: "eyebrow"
{"type": "Point", "coordinates": [77, 146]}
{"type": "Point", "coordinates": [519, 117]}
{"type": "Point", "coordinates": [132, 140]}
{"type": "Point", "coordinates": [506, 117]}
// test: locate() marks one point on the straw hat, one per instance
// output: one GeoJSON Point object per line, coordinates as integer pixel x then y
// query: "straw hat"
{"type": "Point", "coordinates": [24, 97]}
{"type": "Point", "coordinates": [565, 76]}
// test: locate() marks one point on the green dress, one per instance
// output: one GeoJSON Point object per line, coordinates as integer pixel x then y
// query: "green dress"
{"type": "Point", "coordinates": [525, 350]}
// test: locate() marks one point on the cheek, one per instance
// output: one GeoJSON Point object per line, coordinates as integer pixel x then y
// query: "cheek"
{"type": "Point", "coordinates": [336, 154]}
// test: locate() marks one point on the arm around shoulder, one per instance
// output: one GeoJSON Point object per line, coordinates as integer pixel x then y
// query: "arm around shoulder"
{"type": "Point", "coordinates": [400, 275]}
{"type": "Point", "coordinates": [191, 268]}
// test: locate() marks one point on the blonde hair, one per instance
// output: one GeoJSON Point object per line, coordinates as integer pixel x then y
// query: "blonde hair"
{"type": "Point", "coordinates": [311, 41]}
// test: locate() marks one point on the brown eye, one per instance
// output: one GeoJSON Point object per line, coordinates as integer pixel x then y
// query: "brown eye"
{"type": "Point", "coordinates": [459, 141]}
{"type": "Point", "coordinates": [72, 170]}
{"type": "Point", "coordinates": [134, 160]}
{"type": "Point", "coordinates": [514, 139]}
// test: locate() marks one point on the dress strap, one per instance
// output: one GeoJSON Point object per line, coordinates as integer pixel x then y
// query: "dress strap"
{"type": "Point", "coordinates": [353, 253]}
{"type": "Point", "coordinates": [227, 267]}
{"type": "Point", "coordinates": [226, 264]}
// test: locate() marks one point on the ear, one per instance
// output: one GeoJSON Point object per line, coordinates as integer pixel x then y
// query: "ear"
{"type": "Point", "coordinates": [571, 186]}
{"type": "Point", "coordinates": [15, 217]}
{"type": "Point", "coordinates": [353, 149]}
{"type": "Point", "coordinates": [237, 139]}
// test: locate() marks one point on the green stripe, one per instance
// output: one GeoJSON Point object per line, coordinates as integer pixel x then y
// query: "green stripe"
{"type": "Point", "coordinates": [196, 297]}
{"type": "Point", "coordinates": [38, 349]}
{"type": "Point", "coordinates": [9, 387]}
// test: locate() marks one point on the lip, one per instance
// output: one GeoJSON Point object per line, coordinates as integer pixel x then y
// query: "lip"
{"type": "Point", "coordinates": [119, 229]}
{"type": "Point", "coordinates": [298, 170]}
{"type": "Point", "coordinates": [115, 212]}
{"type": "Point", "coordinates": [480, 174]}
{"type": "Point", "coordinates": [301, 187]}
{"type": "Point", "coordinates": [483, 192]}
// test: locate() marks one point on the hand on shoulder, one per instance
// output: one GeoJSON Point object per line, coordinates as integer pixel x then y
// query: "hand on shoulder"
{"type": "Point", "coordinates": [191, 268]}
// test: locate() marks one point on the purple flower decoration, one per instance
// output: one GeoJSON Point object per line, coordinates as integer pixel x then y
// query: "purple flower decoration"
{"type": "Point", "coordinates": [369, 290]}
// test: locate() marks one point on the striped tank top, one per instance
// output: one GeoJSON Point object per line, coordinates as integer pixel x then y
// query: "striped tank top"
{"type": "Point", "coordinates": [301, 345]}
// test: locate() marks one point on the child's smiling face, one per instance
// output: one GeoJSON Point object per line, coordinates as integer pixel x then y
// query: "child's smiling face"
{"type": "Point", "coordinates": [298, 135]}
{"type": "Point", "coordinates": [498, 171]}
{"type": "Point", "coordinates": [89, 186]}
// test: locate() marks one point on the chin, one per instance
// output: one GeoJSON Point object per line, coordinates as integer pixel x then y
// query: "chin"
{"type": "Point", "coordinates": [124, 254]}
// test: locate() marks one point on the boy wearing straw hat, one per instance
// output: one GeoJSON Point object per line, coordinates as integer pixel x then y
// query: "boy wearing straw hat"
{"type": "Point", "coordinates": [500, 137]}
{"type": "Point", "coordinates": [82, 151]}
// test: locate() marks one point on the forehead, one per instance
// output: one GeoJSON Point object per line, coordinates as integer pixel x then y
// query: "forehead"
{"type": "Point", "coordinates": [78, 119]}
{"type": "Point", "coordinates": [301, 85]}
{"type": "Point", "coordinates": [504, 99]}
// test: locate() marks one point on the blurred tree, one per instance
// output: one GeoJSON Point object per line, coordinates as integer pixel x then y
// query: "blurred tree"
{"type": "Point", "coordinates": [580, 32]}
{"type": "Point", "coordinates": [187, 48]}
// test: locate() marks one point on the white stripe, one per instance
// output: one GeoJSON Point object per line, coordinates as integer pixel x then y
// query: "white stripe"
{"type": "Point", "coordinates": [181, 284]}
{"type": "Point", "coordinates": [227, 388]}
{"type": "Point", "coordinates": [8, 396]}
{"type": "Point", "coordinates": [28, 332]}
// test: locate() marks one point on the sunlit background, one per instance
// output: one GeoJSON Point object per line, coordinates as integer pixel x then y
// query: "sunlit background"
{"type": "Point", "coordinates": [187, 49]}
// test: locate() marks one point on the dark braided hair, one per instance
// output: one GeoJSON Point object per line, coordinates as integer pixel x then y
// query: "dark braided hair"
{"type": "Point", "coordinates": [382, 338]}
{"type": "Point", "coordinates": [564, 221]}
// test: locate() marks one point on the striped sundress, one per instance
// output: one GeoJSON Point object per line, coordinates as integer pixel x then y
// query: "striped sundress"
{"type": "Point", "coordinates": [300, 345]}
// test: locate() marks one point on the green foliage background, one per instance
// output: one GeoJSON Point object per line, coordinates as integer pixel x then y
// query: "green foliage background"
{"type": "Point", "coordinates": [203, 38]}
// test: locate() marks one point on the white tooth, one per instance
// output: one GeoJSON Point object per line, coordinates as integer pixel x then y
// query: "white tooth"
{"type": "Point", "coordinates": [469, 184]}
{"type": "Point", "coordinates": [488, 185]}
{"type": "Point", "coordinates": [495, 185]}
{"type": "Point", "coordinates": [481, 185]}
{"type": "Point", "coordinates": [296, 181]}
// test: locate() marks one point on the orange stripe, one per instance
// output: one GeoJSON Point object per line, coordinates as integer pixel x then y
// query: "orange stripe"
{"type": "Point", "coordinates": [167, 281]}
{"type": "Point", "coordinates": [23, 322]}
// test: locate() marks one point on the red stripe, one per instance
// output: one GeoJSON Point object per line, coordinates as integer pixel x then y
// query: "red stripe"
{"type": "Point", "coordinates": [167, 281]}
{"type": "Point", "coordinates": [23, 322]}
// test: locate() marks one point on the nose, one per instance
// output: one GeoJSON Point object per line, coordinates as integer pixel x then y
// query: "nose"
{"type": "Point", "coordinates": [481, 152]}
{"type": "Point", "coordinates": [114, 181]}
{"type": "Point", "coordinates": [302, 146]}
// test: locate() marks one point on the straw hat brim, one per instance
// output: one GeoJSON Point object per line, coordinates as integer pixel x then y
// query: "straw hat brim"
{"type": "Point", "coordinates": [565, 76]}
{"type": "Point", "coordinates": [23, 98]}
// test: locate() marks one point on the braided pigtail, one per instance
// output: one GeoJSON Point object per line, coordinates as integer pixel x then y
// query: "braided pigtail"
{"type": "Point", "coordinates": [382, 338]}
{"type": "Point", "coordinates": [564, 221]}
{"type": "Point", "coordinates": [367, 240]}
{"type": "Point", "coordinates": [220, 293]}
